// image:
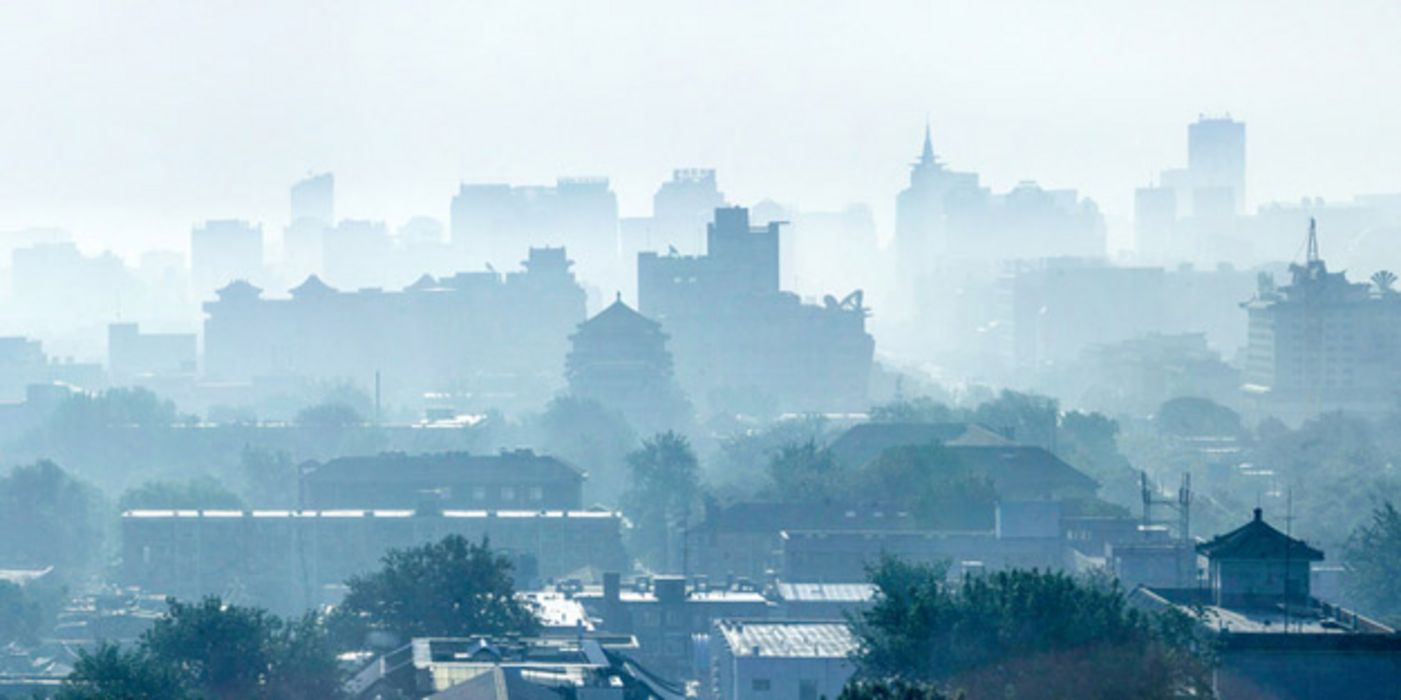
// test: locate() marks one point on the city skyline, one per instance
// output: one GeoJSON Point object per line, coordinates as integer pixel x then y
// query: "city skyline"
{"type": "Point", "coordinates": [209, 126]}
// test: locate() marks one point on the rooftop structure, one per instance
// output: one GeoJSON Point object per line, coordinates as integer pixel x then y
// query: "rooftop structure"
{"type": "Point", "coordinates": [779, 658]}
{"type": "Point", "coordinates": [620, 359]}
{"type": "Point", "coordinates": [453, 480]}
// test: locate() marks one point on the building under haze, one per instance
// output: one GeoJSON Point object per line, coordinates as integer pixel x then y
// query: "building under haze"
{"type": "Point", "coordinates": [619, 358]}
{"type": "Point", "coordinates": [222, 251]}
{"type": "Point", "coordinates": [496, 223]}
{"type": "Point", "coordinates": [1193, 213]}
{"type": "Point", "coordinates": [740, 342]}
{"type": "Point", "coordinates": [492, 337]}
{"type": "Point", "coordinates": [1322, 343]}
{"type": "Point", "coordinates": [313, 212]}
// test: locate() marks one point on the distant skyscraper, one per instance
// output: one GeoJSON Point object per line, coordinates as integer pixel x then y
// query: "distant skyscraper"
{"type": "Point", "coordinates": [683, 205]}
{"type": "Point", "coordinates": [222, 251]}
{"type": "Point", "coordinates": [1216, 161]}
{"type": "Point", "coordinates": [313, 213]}
{"type": "Point", "coordinates": [922, 212]}
{"type": "Point", "coordinates": [314, 198]}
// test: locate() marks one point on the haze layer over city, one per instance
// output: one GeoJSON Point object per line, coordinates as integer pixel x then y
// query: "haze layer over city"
{"type": "Point", "coordinates": [700, 350]}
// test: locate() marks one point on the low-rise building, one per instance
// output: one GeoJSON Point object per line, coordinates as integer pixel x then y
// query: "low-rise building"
{"type": "Point", "coordinates": [1273, 638]}
{"type": "Point", "coordinates": [667, 615]}
{"type": "Point", "coordinates": [821, 601]}
{"type": "Point", "coordinates": [761, 659]}
{"type": "Point", "coordinates": [514, 480]}
{"type": "Point", "coordinates": [291, 560]}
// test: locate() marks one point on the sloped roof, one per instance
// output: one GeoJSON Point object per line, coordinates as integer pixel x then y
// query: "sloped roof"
{"type": "Point", "coordinates": [312, 286]}
{"type": "Point", "coordinates": [497, 684]}
{"type": "Point", "coordinates": [788, 639]}
{"type": "Point", "coordinates": [424, 283]}
{"type": "Point", "coordinates": [619, 318]}
{"type": "Point", "coordinates": [444, 466]}
{"type": "Point", "coordinates": [239, 289]}
{"type": "Point", "coordinates": [864, 442]}
{"type": "Point", "coordinates": [1258, 540]}
{"type": "Point", "coordinates": [1020, 464]}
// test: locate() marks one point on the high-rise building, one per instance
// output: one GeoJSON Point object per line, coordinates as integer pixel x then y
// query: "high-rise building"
{"type": "Point", "coordinates": [924, 209]}
{"type": "Point", "coordinates": [313, 213]}
{"type": "Point", "coordinates": [683, 205]}
{"type": "Point", "coordinates": [222, 251]}
{"type": "Point", "coordinates": [497, 223]}
{"type": "Point", "coordinates": [1216, 161]}
{"type": "Point", "coordinates": [740, 342]}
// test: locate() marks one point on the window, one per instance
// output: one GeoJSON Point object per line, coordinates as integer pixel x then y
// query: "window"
{"type": "Point", "coordinates": [760, 685]}
{"type": "Point", "coordinates": [508, 493]}
{"type": "Point", "coordinates": [807, 689]}
{"type": "Point", "coordinates": [537, 494]}
{"type": "Point", "coordinates": [479, 493]}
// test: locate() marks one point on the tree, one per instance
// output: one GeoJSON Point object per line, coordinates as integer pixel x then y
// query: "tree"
{"type": "Point", "coordinates": [21, 615]}
{"type": "Point", "coordinates": [805, 473]}
{"type": "Point", "coordinates": [113, 408]}
{"type": "Point", "coordinates": [929, 482]}
{"type": "Point", "coordinates": [213, 650]}
{"type": "Point", "coordinates": [332, 415]}
{"type": "Point", "coordinates": [111, 673]}
{"type": "Point", "coordinates": [1023, 633]}
{"type": "Point", "coordinates": [1190, 416]}
{"type": "Point", "coordinates": [450, 588]}
{"type": "Point", "coordinates": [203, 493]}
{"type": "Point", "coordinates": [1373, 555]}
{"type": "Point", "coordinates": [744, 448]}
{"type": "Point", "coordinates": [920, 409]}
{"type": "Point", "coordinates": [41, 497]}
{"type": "Point", "coordinates": [1030, 419]}
{"type": "Point", "coordinates": [588, 434]}
{"type": "Point", "coordinates": [1089, 441]}
{"type": "Point", "coordinates": [270, 477]}
{"type": "Point", "coordinates": [664, 487]}
{"type": "Point", "coordinates": [892, 689]}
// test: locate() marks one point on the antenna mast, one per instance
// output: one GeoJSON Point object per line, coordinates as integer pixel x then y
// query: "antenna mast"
{"type": "Point", "coordinates": [1313, 241]}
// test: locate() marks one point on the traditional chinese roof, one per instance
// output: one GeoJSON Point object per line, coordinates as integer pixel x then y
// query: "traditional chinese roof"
{"type": "Point", "coordinates": [238, 289]}
{"type": "Point", "coordinates": [864, 442]}
{"type": "Point", "coordinates": [1258, 540]}
{"type": "Point", "coordinates": [312, 287]}
{"type": "Point", "coordinates": [619, 318]}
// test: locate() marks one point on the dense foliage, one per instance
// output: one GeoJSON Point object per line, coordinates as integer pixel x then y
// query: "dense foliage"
{"type": "Point", "coordinates": [213, 650]}
{"type": "Point", "coordinates": [1374, 557]}
{"type": "Point", "coordinates": [1026, 633]}
{"type": "Point", "coordinates": [199, 493]}
{"type": "Point", "coordinates": [892, 689]}
{"type": "Point", "coordinates": [449, 588]}
{"type": "Point", "coordinates": [663, 491]}
{"type": "Point", "coordinates": [42, 498]}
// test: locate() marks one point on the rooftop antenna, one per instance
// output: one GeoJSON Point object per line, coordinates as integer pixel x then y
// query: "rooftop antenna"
{"type": "Point", "coordinates": [1312, 255]}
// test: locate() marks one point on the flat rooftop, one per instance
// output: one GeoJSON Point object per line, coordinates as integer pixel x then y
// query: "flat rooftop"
{"type": "Point", "coordinates": [787, 639]}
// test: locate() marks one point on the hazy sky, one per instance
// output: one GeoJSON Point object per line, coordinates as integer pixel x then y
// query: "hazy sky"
{"type": "Point", "coordinates": [128, 121]}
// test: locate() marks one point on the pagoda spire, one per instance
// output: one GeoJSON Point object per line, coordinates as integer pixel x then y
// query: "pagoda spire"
{"type": "Point", "coordinates": [926, 156]}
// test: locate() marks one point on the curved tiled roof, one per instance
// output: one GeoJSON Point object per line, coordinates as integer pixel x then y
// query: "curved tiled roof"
{"type": "Point", "coordinates": [1258, 540]}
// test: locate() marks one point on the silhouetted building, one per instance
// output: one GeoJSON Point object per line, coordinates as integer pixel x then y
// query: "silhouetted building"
{"type": "Point", "coordinates": [737, 338]}
{"type": "Point", "coordinates": [745, 539]}
{"type": "Point", "coordinates": [682, 207]}
{"type": "Point", "coordinates": [1270, 637]}
{"type": "Point", "coordinates": [515, 480]}
{"type": "Point", "coordinates": [358, 254]}
{"type": "Point", "coordinates": [292, 560]}
{"type": "Point", "coordinates": [313, 213]}
{"type": "Point", "coordinates": [475, 330]}
{"type": "Point", "coordinates": [1322, 343]}
{"type": "Point", "coordinates": [131, 353]}
{"type": "Point", "coordinates": [619, 358]}
{"type": "Point", "coordinates": [494, 223]}
{"type": "Point", "coordinates": [222, 251]}
{"type": "Point", "coordinates": [1216, 161]}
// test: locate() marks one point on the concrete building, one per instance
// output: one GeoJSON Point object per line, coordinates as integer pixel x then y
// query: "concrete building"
{"type": "Point", "coordinates": [1028, 535]}
{"type": "Point", "coordinates": [1322, 343]}
{"type": "Point", "coordinates": [821, 601]}
{"type": "Point", "coordinates": [289, 561]}
{"type": "Point", "coordinates": [1273, 638]}
{"type": "Point", "coordinates": [131, 353]}
{"type": "Point", "coordinates": [496, 223]}
{"type": "Point", "coordinates": [514, 480]}
{"type": "Point", "coordinates": [666, 615]}
{"type": "Point", "coordinates": [222, 251]}
{"type": "Point", "coordinates": [762, 659]}
{"type": "Point", "coordinates": [485, 333]}
{"type": "Point", "coordinates": [745, 540]}
{"type": "Point", "coordinates": [482, 668]}
{"type": "Point", "coordinates": [738, 339]}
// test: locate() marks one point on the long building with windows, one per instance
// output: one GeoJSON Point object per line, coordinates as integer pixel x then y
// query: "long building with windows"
{"type": "Point", "coordinates": [1323, 343]}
